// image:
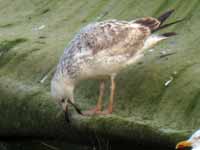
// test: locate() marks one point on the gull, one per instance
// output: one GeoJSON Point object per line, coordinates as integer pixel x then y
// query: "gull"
{"type": "Point", "coordinates": [100, 50]}
{"type": "Point", "coordinates": [193, 142]}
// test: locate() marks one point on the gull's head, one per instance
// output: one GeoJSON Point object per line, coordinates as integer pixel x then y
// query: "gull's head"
{"type": "Point", "coordinates": [62, 92]}
{"type": "Point", "coordinates": [193, 142]}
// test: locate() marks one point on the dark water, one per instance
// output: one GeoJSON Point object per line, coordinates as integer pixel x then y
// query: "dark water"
{"type": "Point", "coordinates": [58, 145]}
{"type": "Point", "coordinates": [41, 145]}
{"type": "Point", "coordinates": [96, 143]}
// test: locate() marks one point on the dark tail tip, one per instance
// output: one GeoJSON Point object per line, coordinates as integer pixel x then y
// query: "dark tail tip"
{"type": "Point", "coordinates": [168, 34]}
{"type": "Point", "coordinates": [169, 24]}
{"type": "Point", "coordinates": [164, 16]}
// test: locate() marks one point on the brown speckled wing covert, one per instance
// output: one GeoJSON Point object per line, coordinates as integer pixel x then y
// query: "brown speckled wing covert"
{"type": "Point", "coordinates": [115, 36]}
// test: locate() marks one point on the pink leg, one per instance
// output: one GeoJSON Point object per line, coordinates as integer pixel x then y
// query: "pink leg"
{"type": "Point", "coordinates": [112, 93]}
{"type": "Point", "coordinates": [98, 108]}
{"type": "Point", "coordinates": [111, 101]}
{"type": "Point", "coordinates": [101, 94]}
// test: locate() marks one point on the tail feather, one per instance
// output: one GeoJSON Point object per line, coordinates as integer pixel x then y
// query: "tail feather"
{"type": "Point", "coordinates": [168, 24]}
{"type": "Point", "coordinates": [157, 24]}
{"type": "Point", "coordinates": [164, 16]}
{"type": "Point", "coordinates": [168, 34]}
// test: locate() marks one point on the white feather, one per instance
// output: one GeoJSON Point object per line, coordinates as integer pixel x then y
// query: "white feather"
{"type": "Point", "coordinates": [152, 40]}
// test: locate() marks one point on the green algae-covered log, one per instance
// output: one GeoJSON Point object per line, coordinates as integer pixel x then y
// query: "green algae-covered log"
{"type": "Point", "coordinates": [157, 100]}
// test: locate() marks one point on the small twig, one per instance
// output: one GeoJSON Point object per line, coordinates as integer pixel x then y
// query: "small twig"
{"type": "Point", "coordinates": [169, 81]}
{"type": "Point", "coordinates": [167, 54]}
{"type": "Point", "coordinates": [102, 15]}
{"type": "Point", "coordinates": [47, 75]}
{"type": "Point", "coordinates": [50, 146]}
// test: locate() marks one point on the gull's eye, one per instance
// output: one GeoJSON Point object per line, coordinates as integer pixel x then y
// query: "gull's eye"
{"type": "Point", "coordinates": [62, 100]}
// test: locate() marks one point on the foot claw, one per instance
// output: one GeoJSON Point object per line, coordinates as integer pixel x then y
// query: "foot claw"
{"type": "Point", "coordinates": [106, 112]}
{"type": "Point", "coordinates": [93, 111]}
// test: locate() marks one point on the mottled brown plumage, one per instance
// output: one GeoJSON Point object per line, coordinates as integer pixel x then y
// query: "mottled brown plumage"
{"type": "Point", "coordinates": [103, 49]}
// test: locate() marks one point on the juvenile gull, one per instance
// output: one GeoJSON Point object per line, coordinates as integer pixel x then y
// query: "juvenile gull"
{"type": "Point", "coordinates": [103, 49]}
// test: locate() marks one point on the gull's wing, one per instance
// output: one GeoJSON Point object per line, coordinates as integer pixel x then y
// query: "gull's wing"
{"type": "Point", "coordinates": [117, 37]}
{"type": "Point", "coordinates": [114, 36]}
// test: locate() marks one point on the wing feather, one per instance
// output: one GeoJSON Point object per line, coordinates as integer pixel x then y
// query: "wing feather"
{"type": "Point", "coordinates": [114, 36]}
{"type": "Point", "coordinates": [150, 22]}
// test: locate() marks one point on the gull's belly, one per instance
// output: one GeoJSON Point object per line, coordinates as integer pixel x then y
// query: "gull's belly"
{"type": "Point", "coordinates": [105, 65]}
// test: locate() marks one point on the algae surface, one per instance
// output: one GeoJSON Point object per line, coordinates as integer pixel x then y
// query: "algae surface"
{"type": "Point", "coordinates": [33, 35]}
